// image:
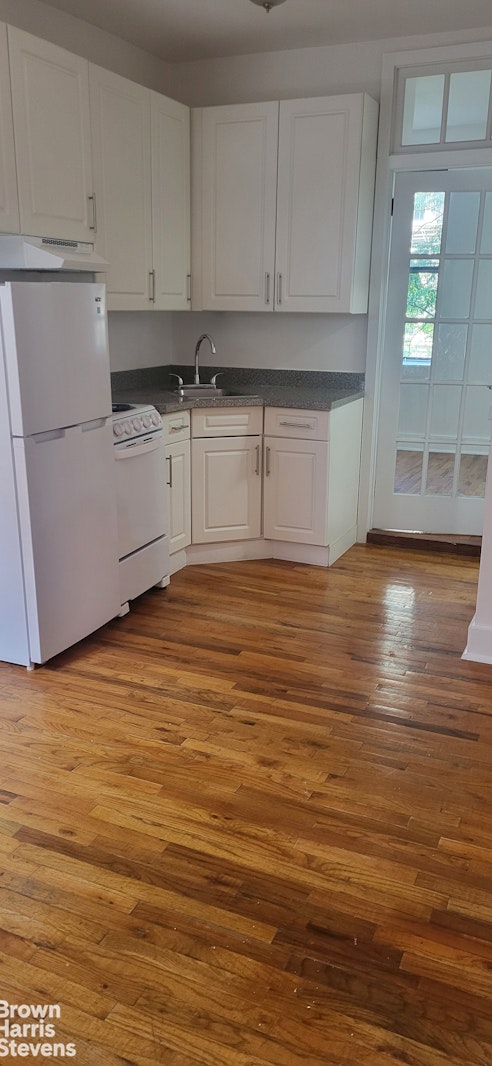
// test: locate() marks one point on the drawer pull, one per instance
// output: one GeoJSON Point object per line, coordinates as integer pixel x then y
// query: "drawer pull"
{"type": "Point", "coordinates": [295, 425]}
{"type": "Point", "coordinates": [176, 429]}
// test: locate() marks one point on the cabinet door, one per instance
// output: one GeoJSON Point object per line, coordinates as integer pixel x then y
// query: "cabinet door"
{"type": "Point", "coordinates": [170, 137]}
{"type": "Point", "coordinates": [295, 490]}
{"type": "Point", "coordinates": [326, 163]}
{"type": "Point", "coordinates": [239, 159]}
{"type": "Point", "coordinates": [226, 479]}
{"type": "Point", "coordinates": [179, 483]}
{"type": "Point", "coordinates": [9, 204]}
{"type": "Point", "coordinates": [50, 99]}
{"type": "Point", "coordinates": [120, 115]}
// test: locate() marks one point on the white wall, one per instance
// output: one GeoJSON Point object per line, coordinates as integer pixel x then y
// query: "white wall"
{"type": "Point", "coordinates": [140, 338]}
{"type": "Point", "coordinates": [85, 40]}
{"type": "Point", "coordinates": [284, 341]}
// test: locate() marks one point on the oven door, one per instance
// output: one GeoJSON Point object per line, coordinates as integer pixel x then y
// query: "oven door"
{"type": "Point", "coordinates": [141, 493]}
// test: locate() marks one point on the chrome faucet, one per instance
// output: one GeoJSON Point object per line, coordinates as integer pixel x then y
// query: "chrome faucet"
{"type": "Point", "coordinates": [204, 337]}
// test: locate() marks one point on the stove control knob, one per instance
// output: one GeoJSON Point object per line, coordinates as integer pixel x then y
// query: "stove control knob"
{"type": "Point", "coordinates": [118, 429]}
{"type": "Point", "coordinates": [137, 424]}
{"type": "Point", "coordinates": [147, 421]}
{"type": "Point", "coordinates": [128, 429]}
{"type": "Point", "coordinates": [156, 418]}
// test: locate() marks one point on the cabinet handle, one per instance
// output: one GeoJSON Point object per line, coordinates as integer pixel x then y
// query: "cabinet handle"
{"type": "Point", "coordinates": [295, 425]}
{"type": "Point", "coordinates": [170, 461]}
{"type": "Point", "coordinates": [267, 461]}
{"type": "Point", "coordinates": [267, 288]}
{"type": "Point", "coordinates": [188, 287]}
{"type": "Point", "coordinates": [152, 286]}
{"type": "Point", "coordinates": [279, 289]}
{"type": "Point", "coordinates": [92, 201]}
{"type": "Point", "coordinates": [257, 467]}
{"type": "Point", "coordinates": [176, 429]}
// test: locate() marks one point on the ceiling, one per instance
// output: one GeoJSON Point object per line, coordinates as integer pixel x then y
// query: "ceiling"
{"type": "Point", "coordinates": [183, 30]}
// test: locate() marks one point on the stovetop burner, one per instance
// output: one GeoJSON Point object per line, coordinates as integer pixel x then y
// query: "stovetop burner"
{"type": "Point", "coordinates": [119, 407]}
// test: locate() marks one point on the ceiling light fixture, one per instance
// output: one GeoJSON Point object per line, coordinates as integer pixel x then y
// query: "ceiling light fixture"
{"type": "Point", "coordinates": [268, 4]}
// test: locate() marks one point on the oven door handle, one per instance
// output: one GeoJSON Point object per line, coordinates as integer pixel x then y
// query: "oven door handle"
{"type": "Point", "coordinates": [128, 451]}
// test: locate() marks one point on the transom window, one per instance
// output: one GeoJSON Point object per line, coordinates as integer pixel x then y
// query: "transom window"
{"type": "Point", "coordinates": [444, 106]}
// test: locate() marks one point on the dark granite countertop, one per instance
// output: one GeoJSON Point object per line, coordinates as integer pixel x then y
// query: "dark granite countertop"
{"type": "Point", "coordinates": [307, 390]}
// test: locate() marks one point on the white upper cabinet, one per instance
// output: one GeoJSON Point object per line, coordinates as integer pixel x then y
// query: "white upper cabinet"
{"type": "Point", "coordinates": [239, 176]}
{"type": "Point", "coordinates": [297, 242]}
{"type": "Point", "coordinates": [9, 204]}
{"type": "Point", "coordinates": [50, 100]}
{"type": "Point", "coordinates": [141, 149]}
{"type": "Point", "coordinates": [170, 139]}
{"type": "Point", "coordinates": [326, 165]}
{"type": "Point", "coordinates": [120, 116]}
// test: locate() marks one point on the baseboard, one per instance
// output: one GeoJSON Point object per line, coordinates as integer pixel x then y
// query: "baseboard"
{"type": "Point", "coordinates": [479, 646]}
{"type": "Point", "coordinates": [232, 551]}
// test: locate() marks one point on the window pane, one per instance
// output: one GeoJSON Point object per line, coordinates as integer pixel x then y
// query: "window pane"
{"type": "Point", "coordinates": [462, 222]}
{"type": "Point", "coordinates": [476, 423]}
{"type": "Point", "coordinates": [428, 211]}
{"type": "Point", "coordinates": [468, 106]}
{"type": "Point", "coordinates": [456, 288]}
{"type": "Point", "coordinates": [440, 472]}
{"type": "Point", "coordinates": [408, 469]}
{"type": "Point", "coordinates": [483, 301]}
{"type": "Point", "coordinates": [422, 110]}
{"type": "Point", "coordinates": [422, 288]}
{"type": "Point", "coordinates": [480, 368]}
{"type": "Point", "coordinates": [486, 245]}
{"type": "Point", "coordinates": [417, 351]}
{"type": "Point", "coordinates": [445, 410]}
{"type": "Point", "coordinates": [413, 410]}
{"type": "Point", "coordinates": [449, 357]}
{"type": "Point", "coordinates": [473, 473]}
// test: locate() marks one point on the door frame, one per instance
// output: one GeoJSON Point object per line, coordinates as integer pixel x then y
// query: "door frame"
{"type": "Point", "coordinates": [388, 164]}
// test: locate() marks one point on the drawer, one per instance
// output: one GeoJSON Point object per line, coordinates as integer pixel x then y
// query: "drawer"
{"type": "Point", "coordinates": [226, 421]}
{"type": "Point", "coordinates": [176, 426]}
{"type": "Point", "coordinates": [294, 422]}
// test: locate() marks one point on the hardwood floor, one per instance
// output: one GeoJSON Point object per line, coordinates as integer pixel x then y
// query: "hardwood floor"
{"type": "Point", "coordinates": [251, 823]}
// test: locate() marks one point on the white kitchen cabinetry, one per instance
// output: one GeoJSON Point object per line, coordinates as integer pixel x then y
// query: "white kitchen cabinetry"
{"type": "Point", "coordinates": [142, 184]}
{"type": "Point", "coordinates": [170, 141]}
{"type": "Point", "coordinates": [226, 474]}
{"type": "Point", "coordinates": [50, 101]}
{"type": "Point", "coordinates": [120, 119]}
{"type": "Point", "coordinates": [9, 203]}
{"type": "Point", "coordinates": [297, 242]}
{"type": "Point", "coordinates": [311, 481]}
{"type": "Point", "coordinates": [178, 476]}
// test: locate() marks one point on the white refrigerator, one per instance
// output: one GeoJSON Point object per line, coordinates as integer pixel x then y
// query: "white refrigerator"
{"type": "Point", "coordinates": [58, 532]}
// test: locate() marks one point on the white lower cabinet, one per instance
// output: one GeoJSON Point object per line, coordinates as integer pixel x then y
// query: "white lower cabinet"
{"type": "Point", "coordinates": [178, 479]}
{"type": "Point", "coordinates": [311, 483]}
{"type": "Point", "coordinates": [302, 476]}
{"type": "Point", "coordinates": [294, 493]}
{"type": "Point", "coordinates": [226, 476]}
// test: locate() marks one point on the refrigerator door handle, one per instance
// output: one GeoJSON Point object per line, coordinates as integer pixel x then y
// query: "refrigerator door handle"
{"type": "Point", "coordinates": [51, 434]}
{"type": "Point", "coordinates": [97, 423]}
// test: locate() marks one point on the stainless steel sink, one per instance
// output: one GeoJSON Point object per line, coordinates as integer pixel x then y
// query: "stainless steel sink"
{"type": "Point", "coordinates": [195, 392]}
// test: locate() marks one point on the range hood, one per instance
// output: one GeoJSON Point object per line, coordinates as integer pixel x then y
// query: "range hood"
{"type": "Point", "coordinates": [47, 253]}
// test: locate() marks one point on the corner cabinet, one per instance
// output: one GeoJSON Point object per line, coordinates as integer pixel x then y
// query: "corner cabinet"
{"type": "Point", "coordinates": [226, 474]}
{"type": "Point", "coordinates": [50, 103]}
{"type": "Point", "coordinates": [140, 143]}
{"type": "Point", "coordinates": [311, 481]}
{"type": "Point", "coordinates": [283, 201]}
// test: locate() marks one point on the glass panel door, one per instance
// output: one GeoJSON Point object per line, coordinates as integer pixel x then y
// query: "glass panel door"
{"type": "Point", "coordinates": [436, 396]}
